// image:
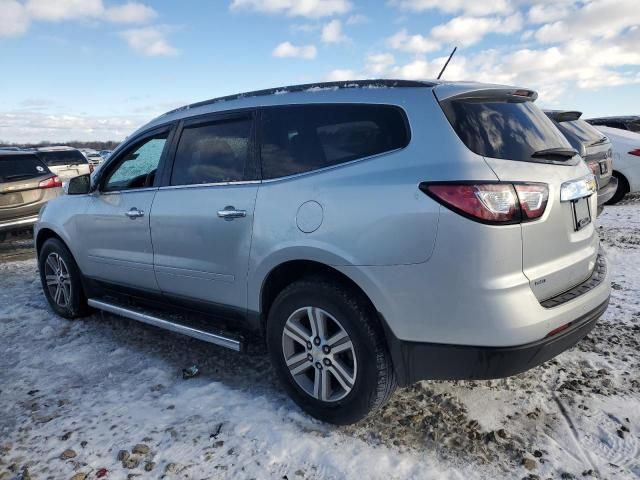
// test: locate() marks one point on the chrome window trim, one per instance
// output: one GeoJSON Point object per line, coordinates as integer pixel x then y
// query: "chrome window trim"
{"type": "Point", "coordinates": [215, 184]}
{"type": "Point", "coordinates": [131, 190]}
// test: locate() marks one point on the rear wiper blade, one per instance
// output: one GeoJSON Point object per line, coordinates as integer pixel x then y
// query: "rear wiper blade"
{"type": "Point", "coordinates": [555, 152]}
{"type": "Point", "coordinates": [598, 142]}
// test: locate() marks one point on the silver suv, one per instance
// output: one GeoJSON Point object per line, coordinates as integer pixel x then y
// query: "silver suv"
{"type": "Point", "coordinates": [374, 233]}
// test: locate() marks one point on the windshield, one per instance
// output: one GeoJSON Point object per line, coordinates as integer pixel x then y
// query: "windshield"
{"type": "Point", "coordinates": [62, 157]}
{"type": "Point", "coordinates": [581, 130]}
{"type": "Point", "coordinates": [20, 167]}
{"type": "Point", "coordinates": [506, 129]}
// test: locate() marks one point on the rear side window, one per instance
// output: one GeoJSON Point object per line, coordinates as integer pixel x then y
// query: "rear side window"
{"type": "Point", "coordinates": [506, 129]}
{"type": "Point", "coordinates": [213, 153]}
{"type": "Point", "coordinates": [19, 167]}
{"type": "Point", "coordinates": [301, 138]}
{"type": "Point", "coordinates": [62, 157]}
{"type": "Point", "coordinates": [581, 130]}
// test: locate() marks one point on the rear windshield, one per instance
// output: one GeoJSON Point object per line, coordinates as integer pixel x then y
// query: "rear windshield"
{"type": "Point", "coordinates": [62, 157]}
{"type": "Point", "coordinates": [507, 129]}
{"type": "Point", "coordinates": [634, 126]}
{"type": "Point", "coordinates": [20, 167]}
{"type": "Point", "coordinates": [581, 130]}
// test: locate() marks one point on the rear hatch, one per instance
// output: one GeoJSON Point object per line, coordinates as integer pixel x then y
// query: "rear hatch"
{"type": "Point", "coordinates": [20, 191]}
{"type": "Point", "coordinates": [65, 163]}
{"type": "Point", "coordinates": [521, 144]}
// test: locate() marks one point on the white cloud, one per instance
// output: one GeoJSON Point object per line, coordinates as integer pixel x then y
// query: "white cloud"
{"type": "Point", "coordinates": [149, 41]}
{"type": "Point", "coordinates": [470, 7]}
{"type": "Point", "coordinates": [340, 74]}
{"type": "Point", "coordinates": [295, 8]}
{"type": "Point", "coordinates": [332, 32]}
{"type": "Point", "coordinates": [379, 63]}
{"type": "Point", "coordinates": [543, 13]}
{"type": "Point", "coordinates": [57, 10]}
{"type": "Point", "coordinates": [16, 17]}
{"type": "Point", "coordinates": [465, 31]}
{"type": "Point", "coordinates": [412, 43]}
{"type": "Point", "coordinates": [287, 49]}
{"type": "Point", "coordinates": [597, 18]}
{"type": "Point", "coordinates": [14, 20]}
{"type": "Point", "coordinates": [132, 12]}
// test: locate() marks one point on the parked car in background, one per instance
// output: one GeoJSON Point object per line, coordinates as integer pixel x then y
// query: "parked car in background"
{"type": "Point", "coordinates": [626, 161]}
{"type": "Point", "coordinates": [594, 147]}
{"type": "Point", "coordinates": [376, 233]}
{"type": "Point", "coordinates": [105, 154]}
{"type": "Point", "coordinates": [11, 149]}
{"type": "Point", "coordinates": [94, 159]}
{"type": "Point", "coordinates": [66, 162]}
{"type": "Point", "coordinates": [26, 184]}
{"type": "Point", "coordinates": [630, 122]}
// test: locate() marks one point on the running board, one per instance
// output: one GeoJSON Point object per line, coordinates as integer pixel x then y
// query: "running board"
{"type": "Point", "coordinates": [167, 325]}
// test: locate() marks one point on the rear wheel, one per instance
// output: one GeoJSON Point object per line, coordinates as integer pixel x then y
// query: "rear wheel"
{"type": "Point", "coordinates": [623, 189]}
{"type": "Point", "coordinates": [329, 351]}
{"type": "Point", "coordinates": [61, 280]}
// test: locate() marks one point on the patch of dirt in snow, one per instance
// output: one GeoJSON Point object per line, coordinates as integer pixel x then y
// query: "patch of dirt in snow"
{"type": "Point", "coordinates": [105, 384]}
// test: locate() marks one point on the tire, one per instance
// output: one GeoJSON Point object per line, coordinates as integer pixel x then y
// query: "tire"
{"type": "Point", "coordinates": [364, 364]}
{"type": "Point", "coordinates": [71, 301]}
{"type": "Point", "coordinates": [622, 190]}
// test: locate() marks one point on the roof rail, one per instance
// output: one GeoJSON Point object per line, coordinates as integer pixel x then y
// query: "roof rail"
{"type": "Point", "coordinates": [378, 83]}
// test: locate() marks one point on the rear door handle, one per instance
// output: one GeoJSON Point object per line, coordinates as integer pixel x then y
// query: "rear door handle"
{"type": "Point", "coordinates": [229, 213]}
{"type": "Point", "coordinates": [134, 213]}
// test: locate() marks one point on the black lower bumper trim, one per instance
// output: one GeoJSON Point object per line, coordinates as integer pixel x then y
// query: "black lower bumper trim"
{"type": "Point", "coordinates": [414, 361]}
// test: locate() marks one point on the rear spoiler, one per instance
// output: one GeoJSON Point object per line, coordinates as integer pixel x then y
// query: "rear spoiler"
{"type": "Point", "coordinates": [563, 116]}
{"type": "Point", "coordinates": [448, 92]}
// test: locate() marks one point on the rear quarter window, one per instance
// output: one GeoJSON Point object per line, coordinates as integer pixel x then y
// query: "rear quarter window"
{"type": "Point", "coordinates": [506, 129]}
{"type": "Point", "coordinates": [301, 138]}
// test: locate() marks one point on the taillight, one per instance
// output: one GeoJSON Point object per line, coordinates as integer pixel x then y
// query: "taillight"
{"type": "Point", "coordinates": [635, 152]}
{"type": "Point", "coordinates": [594, 167]}
{"type": "Point", "coordinates": [494, 203]}
{"type": "Point", "coordinates": [533, 199]}
{"type": "Point", "coordinates": [50, 183]}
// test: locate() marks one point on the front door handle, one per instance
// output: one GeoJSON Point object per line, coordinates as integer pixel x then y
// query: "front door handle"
{"type": "Point", "coordinates": [134, 213]}
{"type": "Point", "coordinates": [229, 213]}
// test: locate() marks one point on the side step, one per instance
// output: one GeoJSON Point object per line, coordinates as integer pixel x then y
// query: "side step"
{"type": "Point", "coordinates": [210, 337]}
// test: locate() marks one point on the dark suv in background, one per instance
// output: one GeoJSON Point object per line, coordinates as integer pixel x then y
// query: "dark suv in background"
{"type": "Point", "coordinates": [630, 122]}
{"type": "Point", "coordinates": [593, 146]}
{"type": "Point", "coordinates": [26, 184]}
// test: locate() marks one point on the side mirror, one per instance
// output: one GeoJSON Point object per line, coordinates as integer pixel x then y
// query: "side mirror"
{"type": "Point", "coordinates": [80, 185]}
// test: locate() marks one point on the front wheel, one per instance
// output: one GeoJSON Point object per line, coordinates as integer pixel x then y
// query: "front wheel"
{"type": "Point", "coordinates": [61, 280]}
{"type": "Point", "coordinates": [328, 349]}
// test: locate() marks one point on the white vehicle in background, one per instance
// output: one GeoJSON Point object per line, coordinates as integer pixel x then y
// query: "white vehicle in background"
{"type": "Point", "coordinates": [65, 162]}
{"type": "Point", "coordinates": [626, 160]}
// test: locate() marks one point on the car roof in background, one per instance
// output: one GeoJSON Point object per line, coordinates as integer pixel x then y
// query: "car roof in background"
{"type": "Point", "coordinates": [17, 153]}
{"type": "Point", "coordinates": [62, 148]}
{"type": "Point", "coordinates": [621, 118]}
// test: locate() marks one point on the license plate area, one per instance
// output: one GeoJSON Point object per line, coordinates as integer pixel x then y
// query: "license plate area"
{"type": "Point", "coordinates": [9, 199]}
{"type": "Point", "coordinates": [581, 213]}
{"type": "Point", "coordinates": [603, 167]}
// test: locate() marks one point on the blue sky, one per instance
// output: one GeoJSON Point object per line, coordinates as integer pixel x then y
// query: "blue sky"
{"type": "Point", "coordinates": [97, 69]}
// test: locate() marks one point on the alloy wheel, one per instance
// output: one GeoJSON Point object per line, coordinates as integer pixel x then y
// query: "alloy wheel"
{"type": "Point", "coordinates": [58, 280]}
{"type": "Point", "coordinates": [319, 354]}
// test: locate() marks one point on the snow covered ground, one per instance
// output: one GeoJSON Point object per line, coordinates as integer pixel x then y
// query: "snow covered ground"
{"type": "Point", "coordinates": [74, 394]}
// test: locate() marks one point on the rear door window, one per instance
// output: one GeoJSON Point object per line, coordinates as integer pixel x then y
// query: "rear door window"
{"type": "Point", "coordinates": [506, 129]}
{"type": "Point", "coordinates": [302, 138]}
{"type": "Point", "coordinates": [62, 157]}
{"type": "Point", "coordinates": [216, 152]}
{"type": "Point", "coordinates": [20, 167]}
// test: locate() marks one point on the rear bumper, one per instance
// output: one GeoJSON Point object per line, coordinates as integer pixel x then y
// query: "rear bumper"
{"type": "Point", "coordinates": [414, 361]}
{"type": "Point", "coordinates": [607, 192]}
{"type": "Point", "coordinates": [18, 223]}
